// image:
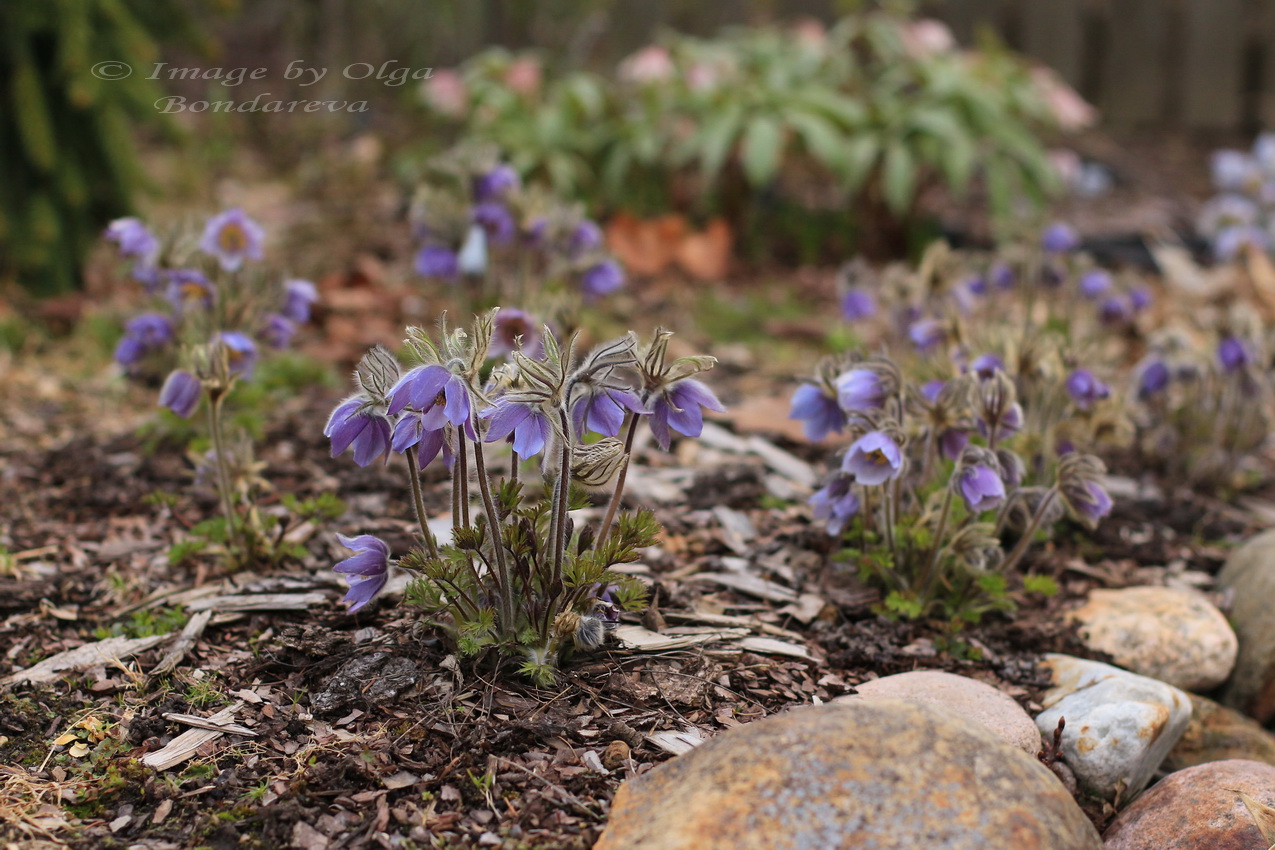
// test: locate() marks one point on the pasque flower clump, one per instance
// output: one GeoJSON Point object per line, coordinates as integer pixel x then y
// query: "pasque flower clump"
{"type": "Point", "coordinates": [520, 576]}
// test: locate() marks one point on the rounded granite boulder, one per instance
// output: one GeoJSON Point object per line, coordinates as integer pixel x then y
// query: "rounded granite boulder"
{"type": "Point", "coordinates": [866, 774]}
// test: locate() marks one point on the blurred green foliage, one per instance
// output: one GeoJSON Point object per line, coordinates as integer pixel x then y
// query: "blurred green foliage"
{"type": "Point", "coordinates": [66, 145]}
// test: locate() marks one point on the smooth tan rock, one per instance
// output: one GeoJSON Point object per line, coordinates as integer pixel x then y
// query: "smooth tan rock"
{"type": "Point", "coordinates": [867, 774]}
{"type": "Point", "coordinates": [962, 696]}
{"type": "Point", "coordinates": [1197, 809]}
{"type": "Point", "coordinates": [1120, 725]}
{"type": "Point", "coordinates": [1217, 733]}
{"type": "Point", "coordinates": [1167, 633]}
{"type": "Point", "coordinates": [1250, 574]}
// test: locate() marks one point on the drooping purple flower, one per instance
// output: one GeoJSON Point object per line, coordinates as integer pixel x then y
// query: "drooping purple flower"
{"type": "Point", "coordinates": [819, 412]}
{"type": "Point", "coordinates": [142, 334]}
{"type": "Point", "coordinates": [367, 570]}
{"type": "Point", "coordinates": [952, 441]}
{"type": "Point", "coordinates": [298, 297]}
{"type": "Point", "coordinates": [1232, 170]}
{"type": "Point", "coordinates": [1140, 298]}
{"type": "Point", "coordinates": [986, 365]}
{"type": "Point", "coordinates": [1010, 423]}
{"type": "Point", "coordinates": [241, 352]}
{"type": "Point", "coordinates": [232, 237]}
{"type": "Point", "coordinates": [1095, 283]}
{"type": "Point", "coordinates": [180, 393]}
{"type": "Point", "coordinates": [585, 237]}
{"type": "Point", "coordinates": [835, 503]}
{"type": "Point", "coordinates": [603, 279]}
{"type": "Point", "coordinates": [440, 395]}
{"type": "Point", "coordinates": [1093, 503]}
{"type": "Point", "coordinates": [1085, 389]}
{"type": "Point", "coordinates": [858, 304]}
{"type": "Point", "coordinates": [1003, 277]}
{"type": "Point", "coordinates": [495, 184]}
{"type": "Point", "coordinates": [1115, 310]}
{"type": "Point", "coordinates": [410, 431]}
{"type": "Point", "coordinates": [977, 285]}
{"type": "Point", "coordinates": [514, 327]}
{"type": "Point", "coordinates": [496, 220]}
{"type": "Point", "coordinates": [529, 423]}
{"type": "Point", "coordinates": [981, 488]}
{"type": "Point", "coordinates": [926, 333]}
{"type": "Point", "coordinates": [1233, 354]}
{"type": "Point", "coordinates": [603, 411]}
{"type": "Point", "coordinates": [930, 390]}
{"type": "Point", "coordinates": [681, 408]}
{"type": "Point", "coordinates": [860, 389]}
{"type": "Point", "coordinates": [1153, 378]}
{"type": "Point", "coordinates": [437, 262]}
{"type": "Point", "coordinates": [873, 459]}
{"type": "Point", "coordinates": [356, 422]}
{"type": "Point", "coordinates": [135, 241]}
{"type": "Point", "coordinates": [189, 288]}
{"type": "Point", "coordinates": [278, 331]}
{"type": "Point", "coordinates": [1059, 238]}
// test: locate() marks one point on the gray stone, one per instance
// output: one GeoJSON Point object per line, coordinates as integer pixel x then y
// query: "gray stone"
{"type": "Point", "coordinates": [1168, 633]}
{"type": "Point", "coordinates": [960, 695]}
{"type": "Point", "coordinates": [1218, 733]}
{"type": "Point", "coordinates": [1120, 725]}
{"type": "Point", "coordinates": [1199, 807]}
{"type": "Point", "coordinates": [869, 774]}
{"type": "Point", "coordinates": [1250, 574]}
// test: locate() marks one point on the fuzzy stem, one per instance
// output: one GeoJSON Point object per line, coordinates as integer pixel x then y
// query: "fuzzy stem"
{"type": "Point", "coordinates": [931, 571]}
{"type": "Point", "coordinates": [1014, 556]}
{"type": "Point", "coordinates": [462, 455]}
{"type": "Point", "coordinates": [223, 476]}
{"type": "Point", "coordinates": [513, 466]}
{"type": "Point", "coordinates": [496, 528]}
{"type": "Point", "coordinates": [564, 493]}
{"type": "Point", "coordinates": [418, 502]}
{"type": "Point", "coordinates": [614, 504]}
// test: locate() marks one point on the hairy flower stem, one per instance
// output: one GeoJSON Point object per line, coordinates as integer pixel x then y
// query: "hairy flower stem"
{"type": "Point", "coordinates": [462, 458]}
{"type": "Point", "coordinates": [932, 568]}
{"type": "Point", "coordinates": [1012, 559]}
{"type": "Point", "coordinates": [418, 502]}
{"type": "Point", "coordinates": [887, 516]}
{"type": "Point", "coordinates": [496, 528]}
{"type": "Point", "coordinates": [224, 489]}
{"type": "Point", "coordinates": [514, 460]}
{"type": "Point", "coordinates": [614, 505]}
{"type": "Point", "coordinates": [563, 494]}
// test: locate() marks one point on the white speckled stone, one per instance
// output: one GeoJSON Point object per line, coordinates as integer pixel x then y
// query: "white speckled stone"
{"type": "Point", "coordinates": [866, 774]}
{"type": "Point", "coordinates": [960, 695]}
{"type": "Point", "coordinates": [1250, 575]}
{"type": "Point", "coordinates": [1120, 725]}
{"type": "Point", "coordinates": [1168, 633]}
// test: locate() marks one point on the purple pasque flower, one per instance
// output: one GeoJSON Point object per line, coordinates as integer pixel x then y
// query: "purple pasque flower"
{"type": "Point", "coordinates": [495, 218]}
{"type": "Point", "coordinates": [1091, 502]}
{"type": "Point", "coordinates": [241, 351]}
{"type": "Point", "coordinates": [1116, 310]}
{"type": "Point", "coordinates": [603, 410]}
{"type": "Point", "coordinates": [278, 331]}
{"type": "Point", "coordinates": [873, 459]}
{"type": "Point", "coordinates": [1059, 238]}
{"type": "Point", "coordinates": [1153, 378]}
{"type": "Point", "coordinates": [515, 330]}
{"type": "Point", "coordinates": [1002, 275]}
{"type": "Point", "coordinates": [188, 287]}
{"type": "Point", "coordinates": [410, 431]}
{"type": "Point", "coordinates": [529, 423]}
{"type": "Point", "coordinates": [180, 393]}
{"type": "Point", "coordinates": [298, 297]}
{"type": "Point", "coordinates": [1095, 283]}
{"type": "Point", "coordinates": [584, 237]}
{"type": "Point", "coordinates": [367, 570]}
{"type": "Point", "coordinates": [1230, 242]}
{"type": "Point", "coordinates": [858, 304]}
{"type": "Point", "coordinates": [439, 394]}
{"type": "Point", "coordinates": [603, 279]}
{"type": "Point", "coordinates": [135, 241]}
{"type": "Point", "coordinates": [1009, 424]}
{"type": "Point", "coordinates": [819, 412]}
{"type": "Point", "coordinates": [232, 237]}
{"type": "Point", "coordinates": [1085, 389]}
{"type": "Point", "coordinates": [435, 261]}
{"type": "Point", "coordinates": [952, 441]}
{"type": "Point", "coordinates": [1232, 170]}
{"type": "Point", "coordinates": [142, 334]}
{"type": "Point", "coordinates": [986, 366]}
{"type": "Point", "coordinates": [976, 285]}
{"type": "Point", "coordinates": [359, 423]}
{"type": "Point", "coordinates": [860, 389]}
{"type": "Point", "coordinates": [680, 406]}
{"type": "Point", "coordinates": [926, 333]}
{"type": "Point", "coordinates": [1233, 354]}
{"type": "Point", "coordinates": [930, 389]}
{"type": "Point", "coordinates": [835, 503]}
{"type": "Point", "coordinates": [1140, 298]}
{"type": "Point", "coordinates": [981, 487]}
{"type": "Point", "coordinates": [495, 184]}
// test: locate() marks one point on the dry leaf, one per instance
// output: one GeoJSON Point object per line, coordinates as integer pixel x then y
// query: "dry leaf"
{"type": "Point", "coordinates": [79, 750]}
{"type": "Point", "coordinates": [1263, 816]}
{"type": "Point", "coordinates": [705, 255]}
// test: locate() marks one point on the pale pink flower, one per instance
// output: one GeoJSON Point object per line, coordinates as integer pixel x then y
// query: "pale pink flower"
{"type": "Point", "coordinates": [523, 76]}
{"type": "Point", "coordinates": [1070, 110]}
{"type": "Point", "coordinates": [651, 64]}
{"type": "Point", "coordinates": [927, 37]}
{"type": "Point", "coordinates": [445, 91]}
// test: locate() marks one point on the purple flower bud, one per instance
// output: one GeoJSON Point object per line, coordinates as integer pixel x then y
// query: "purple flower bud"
{"type": "Point", "coordinates": [1115, 310]}
{"type": "Point", "coordinates": [367, 570]}
{"type": "Point", "coordinates": [873, 459]}
{"type": "Point", "coordinates": [858, 304]}
{"type": "Point", "coordinates": [133, 239]}
{"type": "Point", "coordinates": [977, 285]}
{"type": "Point", "coordinates": [986, 365]}
{"type": "Point", "coordinates": [1233, 354]}
{"type": "Point", "coordinates": [1095, 283]}
{"type": "Point", "coordinates": [585, 237]}
{"type": "Point", "coordinates": [142, 334]}
{"type": "Point", "coordinates": [1052, 275]}
{"type": "Point", "coordinates": [1085, 389]}
{"type": "Point", "coordinates": [1140, 298]}
{"type": "Point", "coordinates": [930, 390]}
{"type": "Point", "coordinates": [835, 503]}
{"type": "Point", "coordinates": [180, 393]}
{"type": "Point", "coordinates": [952, 441]}
{"type": "Point", "coordinates": [1154, 378]}
{"type": "Point", "coordinates": [1059, 238]}
{"type": "Point", "coordinates": [926, 334]}
{"type": "Point", "coordinates": [241, 351]}
{"type": "Point", "coordinates": [981, 488]}
{"type": "Point", "coordinates": [298, 296]}
{"type": "Point", "coordinates": [496, 220]}
{"type": "Point", "coordinates": [278, 331]}
{"type": "Point", "coordinates": [1003, 276]}
{"type": "Point", "coordinates": [1093, 504]}
{"type": "Point", "coordinates": [437, 262]}
{"type": "Point", "coordinates": [819, 412]}
{"type": "Point", "coordinates": [860, 389]}
{"type": "Point", "coordinates": [495, 184]}
{"type": "Point", "coordinates": [602, 279]}
{"type": "Point", "coordinates": [232, 237]}
{"type": "Point", "coordinates": [188, 287]}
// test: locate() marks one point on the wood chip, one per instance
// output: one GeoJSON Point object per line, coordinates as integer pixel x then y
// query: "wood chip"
{"type": "Point", "coordinates": [645, 640]}
{"type": "Point", "coordinates": [82, 657]}
{"type": "Point", "coordinates": [208, 723]}
{"type": "Point", "coordinates": [186, 745]}
{"type": "Point", "coordinates": [677, 743]}
{"type": "Point", "coordinates": [727, 620]}
{"type": "Point", "coordinates": [771, 646]}
{"type": "Point", "coordinates": [261, 602]}
{"type": "Point", "coordinates": [185, 643]}
{"type": "Point", "coordinates": [750, 584]}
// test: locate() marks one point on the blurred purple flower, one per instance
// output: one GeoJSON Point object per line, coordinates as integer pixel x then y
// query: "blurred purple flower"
{"type": "Point", "coordinates": [496, 220]}
{"type": "Point", "coordinates": [860, 389]}
{"type": "Point", "coordinates": [858, 304]}
{"type": "Point", "coordinates": [1233, 354]}
{"type": "Point", "coordinates": [142, 334]}
{"type": "Point", "coordinates": [873, 459]}
{"type": "Point", "coordinates": [1095, 283]}
{"type": "Point", "coordinates": [680, 407]}
{"type": "Point", "coordinates": [1140, 298]}
{"type": "Point", "coordinates": [1231, 241]}
{"type": "Point", "coordinates": [298, 296]}
{"type": "Point", "coordinates": [355, 422]}
{"type": "Point", "coordinates": [180, 393]}
{"type": "Point", "coordinates": [1093, 503]}
{"type": "Point", "coordinates": [976, 284]}
{"type": "Point", "coordinates": [836, 503]}
{"type": "Point", "coordinates": [279, 331]}
{"type": "Point", "coordinates": [1116, 310]}
{"type": "Point", "coordinates": [512, 325]}
{"type": "Point", "coordinates": [1059, 238]}
{"type": "Point", "coordinates": [930, 390]}
{"type": "Point", "coordinates": [1232, 170]}
{"type": "Point", "coordinates": [926, 334]}
{"type": "Point", "coordinates": [187, 287]}
{"type": "Point", "coordinates": [241, 352]}
{"type": "Point", "coordinates": [1153, 378]}
{"type": "Point", "coordinates": [986, 365]}
{"type": "Point", "coordinates": [1085, 389]}
{"type": "Point", "coordinates": [819, 412]}
{"type": "Point", "coordinates": [232, 237]}
{"type": "Point", "coordinates": [367, 570]}
{"type": "Point", "coordinates": [585, 237]}
{"type": "Point", "coordinates": [1003, 276]}
{"type": "Point", "coordinates": [495, 184]}
{"type": "Point", "coordinates": [952, 441]}
{"type": "Point", "coordinates": [981, 488]}
{"type": "Point", "coordinates": [135, 241]}
{"type": "Point", "coordinates": [602, 279]}
{"type": "Point", "coordinates": [437, 262]}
